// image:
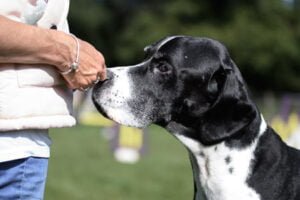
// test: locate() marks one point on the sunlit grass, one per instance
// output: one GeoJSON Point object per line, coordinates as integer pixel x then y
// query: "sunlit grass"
{"type": "Point", "coordinates": [82, 168]}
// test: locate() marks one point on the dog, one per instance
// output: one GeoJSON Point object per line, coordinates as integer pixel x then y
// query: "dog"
{"type": "Point", "coordinates": [191, 87]}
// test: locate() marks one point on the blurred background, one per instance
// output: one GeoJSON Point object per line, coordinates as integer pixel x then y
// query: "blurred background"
{"type": "Point", "coordinates": [263, 38]}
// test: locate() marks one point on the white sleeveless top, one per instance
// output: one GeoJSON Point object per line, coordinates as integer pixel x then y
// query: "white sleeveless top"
{"type": "Point", "coordinates": [32, 99]}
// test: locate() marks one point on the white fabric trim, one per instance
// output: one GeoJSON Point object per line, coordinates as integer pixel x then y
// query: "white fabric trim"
{"type": "Point", "coordinates": [40, 122]}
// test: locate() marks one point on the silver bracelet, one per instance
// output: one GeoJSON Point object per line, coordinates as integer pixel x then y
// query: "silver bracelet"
{"type": "Point", "coordinates": [75, 65]}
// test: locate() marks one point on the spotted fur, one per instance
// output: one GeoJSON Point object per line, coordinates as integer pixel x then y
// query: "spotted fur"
{"type": "Point", "coordinates": [192, 87]}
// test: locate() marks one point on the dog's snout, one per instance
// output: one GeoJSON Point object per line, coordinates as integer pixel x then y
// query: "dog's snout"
{"type": "Point", "coordinates": [109, 74]}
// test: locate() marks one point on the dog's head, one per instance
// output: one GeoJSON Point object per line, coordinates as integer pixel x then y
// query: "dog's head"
{"type": "Point", "coordinates": [184, 80]}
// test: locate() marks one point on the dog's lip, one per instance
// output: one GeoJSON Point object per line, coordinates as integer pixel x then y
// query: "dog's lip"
{"type": "Point", "coordinates": [100, 83]}
{"type": "Point", "coordinates": [106, 79]}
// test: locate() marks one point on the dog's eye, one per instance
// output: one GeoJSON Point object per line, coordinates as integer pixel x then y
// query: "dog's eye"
{"type": "Point", "coordinates": [163, 68]}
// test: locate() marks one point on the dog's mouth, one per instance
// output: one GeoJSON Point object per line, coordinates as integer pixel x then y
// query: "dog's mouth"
{"type": "Point", "coordinates": [96, 95]}
{"type": "Point", "coordinates": [98, 106]}
{"type": "Point", "coordinates": [114, 107]}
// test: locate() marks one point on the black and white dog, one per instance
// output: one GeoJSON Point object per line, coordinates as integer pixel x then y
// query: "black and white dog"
{"type": "Point", "coordinates": [191, 87]}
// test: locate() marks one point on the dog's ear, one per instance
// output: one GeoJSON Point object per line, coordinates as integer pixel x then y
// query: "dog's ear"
{"type": "Point", "coordinates": [202, 86]}
{"type": "Point", "coordinates": [220, 100]}
{"type": "Point", "coordinates": [150, 49]}
{"type": "Point", "coordinates": [232, 109]}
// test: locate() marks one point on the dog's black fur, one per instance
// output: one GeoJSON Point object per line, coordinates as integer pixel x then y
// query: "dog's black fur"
{"type": "Point", "coordinates": [191, 86]}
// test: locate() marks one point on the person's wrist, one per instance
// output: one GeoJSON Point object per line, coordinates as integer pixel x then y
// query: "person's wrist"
{"type": "Point", "coordinates": [64, 50]}
{"type": "Point", "coordinates": [75, 63]}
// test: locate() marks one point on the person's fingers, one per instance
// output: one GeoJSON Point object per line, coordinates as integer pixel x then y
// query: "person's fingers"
{"type": "Point", "coordinates": [91, 68]}
{"type": "Point", "coordinates": [102, 73]}
{"type": "Point", "coordinates": [70, 84]}
{"type": "Point", "coordinates": [97, 79]}
{"type": "Point", "coordinates": [100, 64]}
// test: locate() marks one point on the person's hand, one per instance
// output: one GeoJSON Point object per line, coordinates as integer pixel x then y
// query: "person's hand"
{"type": "Point", "coordinates": [91, 62]}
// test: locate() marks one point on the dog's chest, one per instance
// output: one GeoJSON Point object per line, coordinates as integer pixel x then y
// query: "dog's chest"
{"type": "Point", "coordinates": [221, 172]}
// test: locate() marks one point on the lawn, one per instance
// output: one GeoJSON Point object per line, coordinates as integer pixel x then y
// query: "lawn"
{"type": "Point", "coordinates": [82, 168]}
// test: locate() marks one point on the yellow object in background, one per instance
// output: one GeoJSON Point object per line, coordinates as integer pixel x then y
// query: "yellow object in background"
{"type": "Point", "coordinates": [130, 137]}
{"type": "Point", "coordinates": [285, 128]}
{"type": "Point", "coordinates": [94, 119]}
{"type": "Point", "coordinates": [127, 143]}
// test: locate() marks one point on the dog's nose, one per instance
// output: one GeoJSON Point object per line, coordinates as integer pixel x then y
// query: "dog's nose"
{"type": "Point", "coordinates": [109, 74]}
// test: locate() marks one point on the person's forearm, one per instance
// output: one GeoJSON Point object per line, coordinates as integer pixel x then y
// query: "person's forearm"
{"type": "Point", "coordinates": [21, 43]}
{"type": "Point", "coordinates": [26, 44]}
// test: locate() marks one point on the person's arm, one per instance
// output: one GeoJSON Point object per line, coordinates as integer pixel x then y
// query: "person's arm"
{"type": "Point", "coordinates": [26, 44]}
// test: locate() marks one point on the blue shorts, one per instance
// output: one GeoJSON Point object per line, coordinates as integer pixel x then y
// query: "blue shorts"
{"type": "Point", "coordinates": [23, 179]}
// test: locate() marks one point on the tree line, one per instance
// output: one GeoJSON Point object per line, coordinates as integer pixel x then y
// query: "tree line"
{"type": "Point", "coordinates": [263, 37]}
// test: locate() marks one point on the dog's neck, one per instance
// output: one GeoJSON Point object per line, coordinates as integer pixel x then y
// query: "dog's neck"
{"type": "Point", "coordinates": [219, 171]}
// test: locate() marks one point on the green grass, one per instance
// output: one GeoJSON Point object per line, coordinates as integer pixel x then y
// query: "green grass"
{"type": "Point", "coordinates": [82, 168]}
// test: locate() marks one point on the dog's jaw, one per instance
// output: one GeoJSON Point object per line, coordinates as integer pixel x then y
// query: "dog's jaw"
{"type": "Point", "coordinates": [112, 100]}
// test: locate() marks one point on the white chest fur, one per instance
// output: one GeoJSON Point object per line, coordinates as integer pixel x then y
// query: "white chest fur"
{"type": "Point", "coordinates": [222, 171]}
